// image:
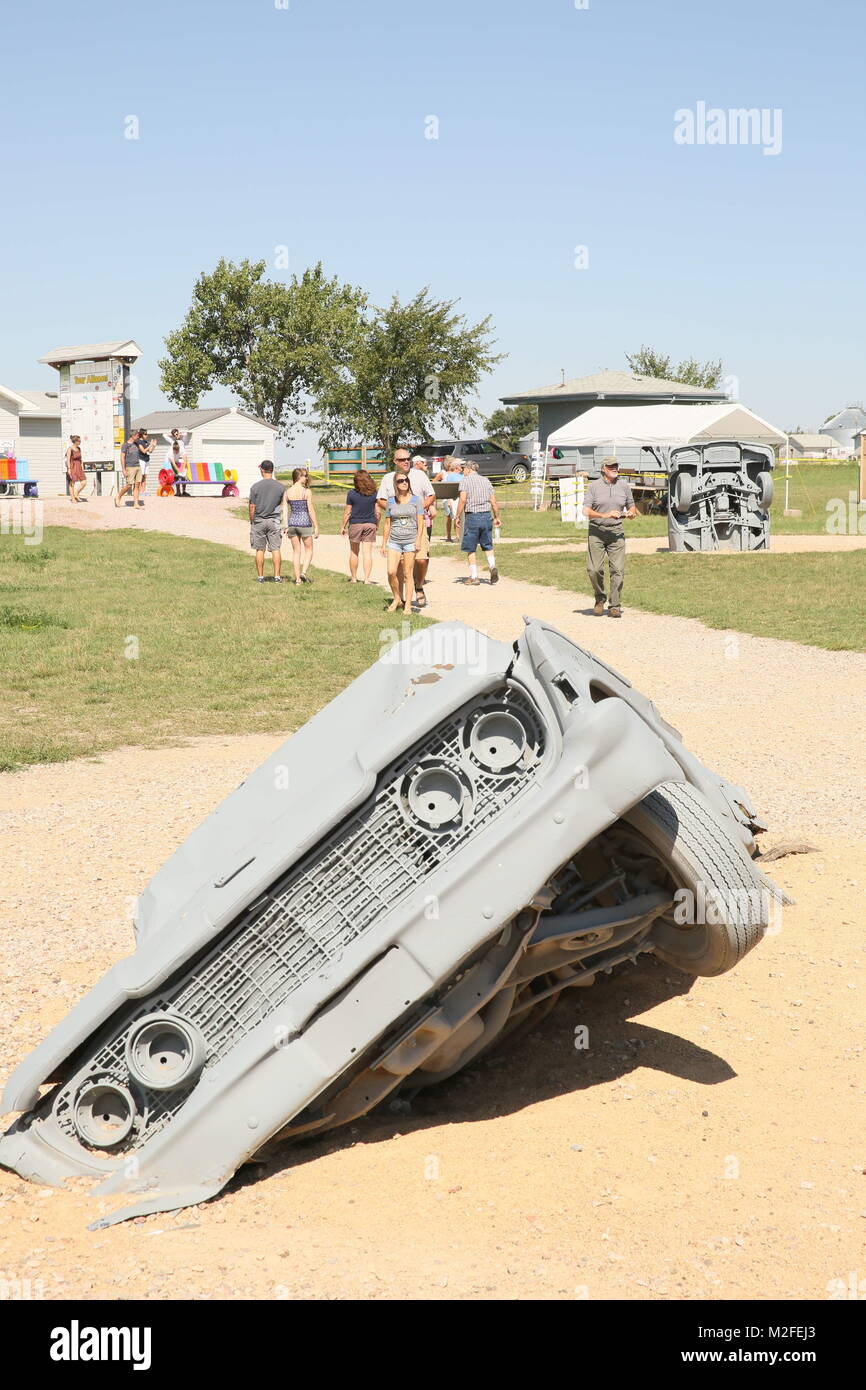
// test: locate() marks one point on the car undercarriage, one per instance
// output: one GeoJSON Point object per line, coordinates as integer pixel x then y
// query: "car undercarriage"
{"type": "Point", "coordinates": [469, 830]}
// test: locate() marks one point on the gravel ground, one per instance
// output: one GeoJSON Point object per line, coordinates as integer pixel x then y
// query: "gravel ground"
{"type": "Point", "coordinates": [709, 1143]}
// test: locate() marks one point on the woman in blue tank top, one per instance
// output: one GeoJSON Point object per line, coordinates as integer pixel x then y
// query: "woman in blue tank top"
{"type": "Point", "coordinates": [301, 525]}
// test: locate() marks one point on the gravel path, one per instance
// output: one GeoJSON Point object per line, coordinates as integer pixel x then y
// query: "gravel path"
{"type": "Point", "coordinates": [708, 1144]}
{"type": "Point", "coordinates": [749, 706]}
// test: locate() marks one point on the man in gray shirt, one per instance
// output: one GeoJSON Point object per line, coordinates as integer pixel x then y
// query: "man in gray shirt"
{"type": "Point", "coordinates": [606, 501]}
{"type": "Point", "coordinates": [267, 500]}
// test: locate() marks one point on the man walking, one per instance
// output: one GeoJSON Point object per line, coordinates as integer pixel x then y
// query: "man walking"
{"type": "Point", "coordinates": [133, 456]}
{"type": "Point", "coordinates": [266, 505]}
{"type": "Point", "coordinates": [606, 501]}
{"type": "Point", "coordinates": [422, 488]}
{"type": "Point", "coordinates": [479, 510]}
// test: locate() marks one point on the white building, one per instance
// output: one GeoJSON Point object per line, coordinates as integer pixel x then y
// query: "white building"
{"type": "Point", "coordinates": [30, 421]}
{"type": "Point", "coordinates": [224, 434]}
{"type": "Point", "coordinates": [816, 446]}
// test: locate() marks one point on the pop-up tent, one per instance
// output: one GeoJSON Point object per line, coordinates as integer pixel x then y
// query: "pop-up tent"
{"type": "Point", "coordinates": [634, 425]}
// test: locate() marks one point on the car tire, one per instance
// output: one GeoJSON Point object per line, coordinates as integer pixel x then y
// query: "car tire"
{"type": "Point", "coordinates": [765, 490]}
{"type": "Point", "coordinates": [519, 473]}
{"type": "Point", "coordinates": [683, 491]}
{"type": "Point", "coordinates": [704, 858]}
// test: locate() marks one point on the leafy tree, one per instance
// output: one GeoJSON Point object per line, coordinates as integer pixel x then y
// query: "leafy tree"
{"type": "Point", "coordinates": [413, 366]}
{"type": "Point", "coordinates": [690, 371]}
{"type": "Point", "coordinates": [274, 345]}
{"type": "Point", "coordinates": [508, 425]}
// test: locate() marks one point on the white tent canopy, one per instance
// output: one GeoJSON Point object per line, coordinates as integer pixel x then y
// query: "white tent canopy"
{"type": "Point", "coordinates": [664, 424]}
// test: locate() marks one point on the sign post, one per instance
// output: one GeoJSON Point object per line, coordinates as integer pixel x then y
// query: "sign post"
{"type": "Point", "coordinates": [95, 401]}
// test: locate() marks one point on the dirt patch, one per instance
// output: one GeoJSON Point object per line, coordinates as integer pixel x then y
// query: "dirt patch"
{"type": "Point", "coordinates": [707, 1143]}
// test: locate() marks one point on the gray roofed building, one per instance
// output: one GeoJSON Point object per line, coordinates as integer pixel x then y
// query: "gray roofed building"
{"type": "Point", "coordinates": [93, 352]}
{"type": "Point", "coordinates": [817, 445]}
{"type": "Point", "coordinates": [161, 421]}
{"type": "Point", "coordinates": [563, 401]}
{"type": "Point", "coordinates": [45, 404]}
{"type": "Point", "coordinates": [601, 385]}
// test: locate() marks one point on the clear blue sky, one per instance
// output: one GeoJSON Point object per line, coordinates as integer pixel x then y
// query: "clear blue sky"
{"type": "Point", "coordinates": [305, 126]}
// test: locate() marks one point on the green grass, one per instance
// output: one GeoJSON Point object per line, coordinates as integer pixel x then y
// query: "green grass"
{"type": "Point", "coordinates": [812, 486]}
{"type": "Point", "coordinates": [819, 599]}
{"type": "Point", "coordinates": [216, 652]}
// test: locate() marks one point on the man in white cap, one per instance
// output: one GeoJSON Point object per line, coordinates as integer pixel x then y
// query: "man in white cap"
{"type": "Point", "coordinates": [607, 500]}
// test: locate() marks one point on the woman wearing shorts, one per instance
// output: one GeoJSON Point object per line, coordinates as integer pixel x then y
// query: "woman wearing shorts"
{"type": "Point", "coordinates": [360, 520]}
{"type": "Point", "coordinates": [300, 524]}
{"type": "Point", "coordinates": [401, 538]}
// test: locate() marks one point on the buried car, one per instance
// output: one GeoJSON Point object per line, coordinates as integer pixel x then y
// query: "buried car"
{"type": "Point", "coordinates": [477, 827]}
{"type": "Point", "coordinates": [719, 496]}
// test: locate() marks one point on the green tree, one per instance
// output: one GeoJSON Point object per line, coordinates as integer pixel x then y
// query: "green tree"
{"type": "Point", "coordinates": [690, 371]}
{"type": "Point", "coordinates": [414, 366]}
{"type": "Point", "coordinates": [274, 345]}
{"type": "Point", "coordinates": [508, 425]}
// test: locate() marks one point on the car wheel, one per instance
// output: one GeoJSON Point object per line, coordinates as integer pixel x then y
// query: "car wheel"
{"type": "Point", "coordinates": [724, 910]}
{"type": "Point", "coordinates": [765, 489]}
{"type": "Point", "coordinates": [519, 473]}
{"type": "Point", "coordinates": [683, 491]}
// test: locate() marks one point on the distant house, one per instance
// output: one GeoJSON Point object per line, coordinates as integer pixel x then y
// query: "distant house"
{"type": "Point", "coordinates": [844, 426]}
{"type": "Point", "coordinates": [223, 434]}
{"type": "Point", "coordinates": [816, 446]}
{"type": "Point", "coordinates": [564, 401]}
{"type": "Point", "coordinates": [30, 422]}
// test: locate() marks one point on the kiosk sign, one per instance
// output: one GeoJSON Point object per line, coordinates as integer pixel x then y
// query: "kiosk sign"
{"type": "Point", "coordinates": [91, 405]}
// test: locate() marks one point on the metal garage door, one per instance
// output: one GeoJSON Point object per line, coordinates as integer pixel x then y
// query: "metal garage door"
{"type": "Point", "coordinates": [41, 444]}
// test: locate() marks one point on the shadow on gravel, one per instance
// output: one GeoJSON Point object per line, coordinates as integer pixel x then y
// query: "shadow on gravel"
{"type": "Point", "coordinates": [535, 1066]}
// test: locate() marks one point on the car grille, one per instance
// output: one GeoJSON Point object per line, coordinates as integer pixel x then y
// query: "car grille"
{"type": "Point", "coordinates": [307, 919]}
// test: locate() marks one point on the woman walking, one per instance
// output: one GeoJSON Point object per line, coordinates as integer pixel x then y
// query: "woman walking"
{"type": "Point", "coordinates": [361, 521]}
{"type": "Point", "coordinates": [75, 469]}
{"type": "Point", "coordinates": [401, 539]}
{"type": "Point", "coordinates": [300, 523]}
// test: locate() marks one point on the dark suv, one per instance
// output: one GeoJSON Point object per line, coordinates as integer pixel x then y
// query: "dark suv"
{"type": "Point", "coordinates": [492, 461]}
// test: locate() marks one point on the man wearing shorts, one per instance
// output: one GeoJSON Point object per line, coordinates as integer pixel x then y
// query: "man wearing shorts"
{"type": "Point", "coordinates": [134, 463]}
{"type": "Point", "coordinates": [133, 457]}
{"type": "Point", "coordinates": [479, 509]}
{"type": "Point", "coordinates": [422, 488]}
{"type": "Point", "coordinates": [266, 500]}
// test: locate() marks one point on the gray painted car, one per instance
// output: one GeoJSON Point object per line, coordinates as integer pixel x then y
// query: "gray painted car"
{"type": "Point", "coordinates": [492, 461]}
{"type": "Point", "coordinates": [719, 495]}
{"type": "Point", "coordinates": [469, 829]}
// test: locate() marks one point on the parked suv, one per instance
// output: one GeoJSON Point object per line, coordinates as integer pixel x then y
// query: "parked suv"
{"type": "Point", "coordinates": [492, 461]}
